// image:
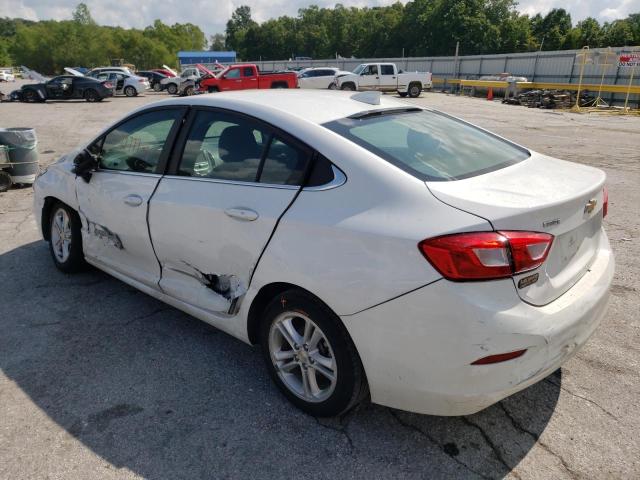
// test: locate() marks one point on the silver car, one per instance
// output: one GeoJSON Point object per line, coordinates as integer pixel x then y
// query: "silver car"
{"type": "Point", "coordinates": [124, 83]}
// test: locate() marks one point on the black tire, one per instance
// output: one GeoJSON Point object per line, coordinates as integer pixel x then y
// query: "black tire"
{"type": "Point", "coordinates": [30, 96]}
{"type": "Point", "coordinates": [279, 85]}
{"type": "Point", "coordinates": [350, 384]}
{"type": "Point", "coordinates": [189, 91]}
{"type": "Point", "coordinates": [403, 94]}
{"type": "Point", "coordinates": [172, 89]}
{"type": "Point", "coordinates": [157, 87]}
{"type": "Point", "coordinates": [5, 181]}
{"type": "Point", "coordinates": [414, 90]}
{"type": "Point", "coordinates": [348, 86]}
{"type": "Point", "coordinates": [74, 262]}
{"type": "Point", "coordinates": [91, 95]}
{"type": "Point", "coordinates": [213, 89]}
{"type": "Point", "coordinates": [130, 91]}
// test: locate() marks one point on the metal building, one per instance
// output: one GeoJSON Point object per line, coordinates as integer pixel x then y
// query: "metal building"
{"type": "Point", "coordinates": [205, 58]}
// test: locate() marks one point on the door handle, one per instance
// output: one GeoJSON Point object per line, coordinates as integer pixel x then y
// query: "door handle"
{"type": "Point", "coordinates": [133, 200]}
{"type": "Point", "coordinates": [245, 214]}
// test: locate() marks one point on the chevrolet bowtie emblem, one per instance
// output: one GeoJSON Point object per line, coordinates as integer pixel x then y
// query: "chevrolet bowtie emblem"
{"type": "Point", "coordinates": [590, 206]}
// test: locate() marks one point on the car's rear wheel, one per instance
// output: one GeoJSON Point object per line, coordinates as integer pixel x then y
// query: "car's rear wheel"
{"type": "Point", "coordinates": [414, 90]}
{"type": "Point", "coordinates": [157, 87]}
{"type": "Point", "coordinates": [65, 242]}
{"type": "Point", "coordinates": [91, 95]}
{"type": "Point", "coordinates": [189, 91]}
{"type": "Point", "coordinates": [30, 96]}
{"type": "Point", "coordinates": [310, 355]}
{"type": "Point", "coordinates": [172, 89]}
{"type": "Point", "coordinates": [130, 91]}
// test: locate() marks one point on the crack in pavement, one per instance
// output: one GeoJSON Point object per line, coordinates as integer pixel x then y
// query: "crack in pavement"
{"type": "Point", "coordinates": [561, 387]}
{"type": "Point", "coordinates": [417, 429]}
{"type": "Point", "coordinates": [518, 426]}
{"type": "Point", "coordinates": [494, 448]}
{"type": "Point", "coordinates": [343, 420]}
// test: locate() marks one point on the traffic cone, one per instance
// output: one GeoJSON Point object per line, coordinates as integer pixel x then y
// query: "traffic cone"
{"type": "Point", "coordinates": [490, 94]}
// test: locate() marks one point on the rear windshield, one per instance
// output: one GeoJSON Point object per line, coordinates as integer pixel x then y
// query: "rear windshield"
{"type": "Point", "coordinates": [430, 145]}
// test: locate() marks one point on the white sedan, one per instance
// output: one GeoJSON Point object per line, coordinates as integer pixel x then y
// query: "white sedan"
{"type": "Point", "coordinates": [369, 246]}
{"type": "Point", "coordinates": [319, 77]}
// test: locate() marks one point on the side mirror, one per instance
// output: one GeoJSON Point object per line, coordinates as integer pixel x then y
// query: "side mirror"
{"type": "Point", "coordinates": [85, 163]}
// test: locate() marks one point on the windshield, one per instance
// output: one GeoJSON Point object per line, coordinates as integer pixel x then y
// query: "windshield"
{"type": "Point", "coordinates": [430, 145]}
{"type": "Point", "coordinates": [359, 69]}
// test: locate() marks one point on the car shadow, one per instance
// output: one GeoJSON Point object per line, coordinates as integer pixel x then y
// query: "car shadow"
{"type": "Point", "coordinates": [150, 389]}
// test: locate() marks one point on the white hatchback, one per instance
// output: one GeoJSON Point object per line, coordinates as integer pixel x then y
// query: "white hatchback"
{"type": "Point", "coordinates": [367, 244]}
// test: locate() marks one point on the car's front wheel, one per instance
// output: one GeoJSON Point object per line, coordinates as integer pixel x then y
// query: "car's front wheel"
{"type": "Point", "coordinates": [310, 355]}
{"type": "Point", "coordinates": [65, 242]}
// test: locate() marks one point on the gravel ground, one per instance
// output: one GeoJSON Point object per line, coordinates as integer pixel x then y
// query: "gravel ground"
{"type": "Point", "coordinates": [98, 380]}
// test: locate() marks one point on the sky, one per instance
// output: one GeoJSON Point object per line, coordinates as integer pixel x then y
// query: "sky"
{"type": "Point", "coordinates": [212, 15]}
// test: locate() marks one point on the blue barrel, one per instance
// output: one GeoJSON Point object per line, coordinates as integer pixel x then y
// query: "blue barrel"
{"type": "Point", "coordinates": [21, 144]}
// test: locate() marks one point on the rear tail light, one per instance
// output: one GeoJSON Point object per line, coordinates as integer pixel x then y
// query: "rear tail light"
{"type": "Point", "coordinates": [486, 255]}
{"type": "Point", "coordinates": [108, 84]}
{"type": "Point", "coordinates": [142, 80]}
{"type": "Point", "coordinates": [605, 202]}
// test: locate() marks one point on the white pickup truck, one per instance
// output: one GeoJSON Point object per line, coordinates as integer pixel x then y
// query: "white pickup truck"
{"type": "Point", "coordinates": [384, 77]}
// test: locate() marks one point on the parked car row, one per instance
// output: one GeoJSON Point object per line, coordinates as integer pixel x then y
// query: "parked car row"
{"type": "Point", "coordinates": [384, 77]}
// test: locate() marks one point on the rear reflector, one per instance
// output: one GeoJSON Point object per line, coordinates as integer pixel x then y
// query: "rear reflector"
{"type": "Point", "coordinates": [605, 202]}
{"type": "Point", "coordinates": [486, 255]}
{"type": "Point", "coordinates": [501, 357]}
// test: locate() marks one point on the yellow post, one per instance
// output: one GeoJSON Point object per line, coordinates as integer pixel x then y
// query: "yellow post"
{"type": "Point", "coordinates": [585, 52]}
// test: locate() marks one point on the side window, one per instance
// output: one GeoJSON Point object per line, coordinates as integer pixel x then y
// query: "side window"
{"type": "Point", "coordinates": [235, 73]}
{"type": "Point", "coordinates": [247, 72]}
{"type": "Point", "coordinates": [224, 147]}
{"type": "Point", "coordinates": [321, 173]}
{"type": "Point", "coordinates": [374, 70]}
{"type": "Point", "coordinates": [137, 144]}
{"type": "Point", "coordinates": [284, 164]}
{"type": "Point", "coordinates": [386, 69]}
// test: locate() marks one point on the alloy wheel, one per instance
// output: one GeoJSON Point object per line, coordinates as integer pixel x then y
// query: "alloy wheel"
{"type": "Point", "coordinates": [302, 356]}
{"type": "Point", "coordinates": [61, 235]}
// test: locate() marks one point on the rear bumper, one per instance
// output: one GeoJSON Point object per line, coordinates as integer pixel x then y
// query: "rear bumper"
{"type": "Point", "coordinates": [417, 350]}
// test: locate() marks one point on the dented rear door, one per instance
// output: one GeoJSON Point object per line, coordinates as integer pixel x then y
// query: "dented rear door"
{"type": "Point", "coordinates": [213, 215]}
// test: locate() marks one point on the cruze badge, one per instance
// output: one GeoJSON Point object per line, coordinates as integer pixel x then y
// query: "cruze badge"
{"type": "Point", "coordinates": [590, 206]}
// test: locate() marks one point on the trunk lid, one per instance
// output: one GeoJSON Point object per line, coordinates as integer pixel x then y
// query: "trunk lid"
{"type": "Point", "coordinates": [540, 194]}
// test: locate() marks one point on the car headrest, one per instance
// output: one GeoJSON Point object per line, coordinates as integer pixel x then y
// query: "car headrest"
{"type": "Point", "coordinates": [237, 144]}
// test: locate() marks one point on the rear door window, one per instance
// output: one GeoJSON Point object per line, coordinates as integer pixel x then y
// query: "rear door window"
{"type": "Point", "coordinates": [285, 164]}
{"type": "Point", "coordinates": [223, 146]}
{"type": "Point", "coordinates": [430, 145]}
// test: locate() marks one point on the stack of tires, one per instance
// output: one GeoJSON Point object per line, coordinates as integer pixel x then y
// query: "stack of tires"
{"type": "Point", "coordinates": [18, 157]}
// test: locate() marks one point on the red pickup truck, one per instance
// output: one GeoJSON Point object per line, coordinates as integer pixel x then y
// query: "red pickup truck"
{"type": "Point", "coordinates": [245, 76]}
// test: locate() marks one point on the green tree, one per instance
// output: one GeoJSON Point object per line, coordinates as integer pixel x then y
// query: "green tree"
{"type": "Point", "coordinates": [217, 42]}
{"type": "Point", "coordinates": [82, 15]}
{"type": "Point", "coordinates": [618, 33]}
{"type": "Point", "coordinates": [237, 27]}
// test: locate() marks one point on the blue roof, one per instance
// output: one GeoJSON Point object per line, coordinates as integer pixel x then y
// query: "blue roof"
{"type": "Point", "coordinates": [207, 54]}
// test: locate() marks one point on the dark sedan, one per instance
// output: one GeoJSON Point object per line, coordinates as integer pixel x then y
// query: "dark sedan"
{"type": "Point", "coordinates": [154, 79]}
{"type": "Point", "coordinates": [65, 87]}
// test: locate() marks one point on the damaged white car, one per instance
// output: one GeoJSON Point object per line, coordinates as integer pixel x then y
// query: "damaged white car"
{"type": "Point", "coordinates": [368, 245]}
